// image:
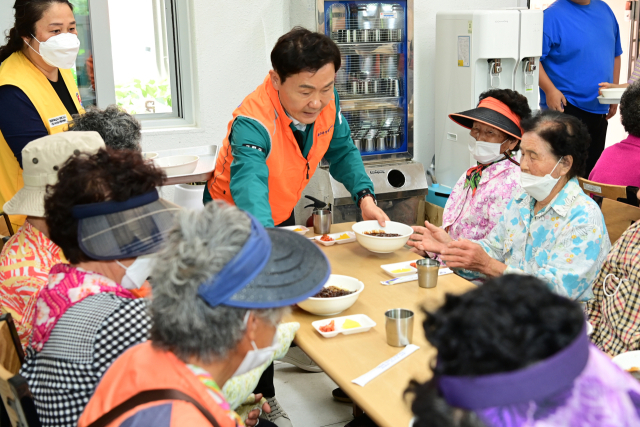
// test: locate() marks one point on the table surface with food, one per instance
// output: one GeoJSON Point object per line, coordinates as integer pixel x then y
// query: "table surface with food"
{"type": "Point", "coordinates": [354, 341]}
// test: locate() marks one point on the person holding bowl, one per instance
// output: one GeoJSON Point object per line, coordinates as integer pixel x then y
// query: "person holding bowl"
{"type": "Point", "coordinates": [553, 230]}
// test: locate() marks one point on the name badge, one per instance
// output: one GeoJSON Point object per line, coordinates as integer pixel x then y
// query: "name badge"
{"type": "Point", "coordinates": [57, 121]}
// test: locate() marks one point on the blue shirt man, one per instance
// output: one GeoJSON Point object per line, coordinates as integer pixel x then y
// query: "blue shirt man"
{"type": "Point", "coordinates": [580, 49]}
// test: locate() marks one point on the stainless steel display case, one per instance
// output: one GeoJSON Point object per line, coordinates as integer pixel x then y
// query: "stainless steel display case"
{"type": "Point", "coordinates": [375, 82]}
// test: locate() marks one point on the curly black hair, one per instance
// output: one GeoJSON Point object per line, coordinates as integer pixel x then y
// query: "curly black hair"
{"type": "Point", "coordinates": [117, 128]}
{"type": "Point", "coordinates": [630, 102]}
{"type": "Point", "coordinates": [567, 136]}
{"type": "Point", "coordinates": [109, 174]}
{"type": "Point", "coordinates": [506, 324]}
{"type": "Point", "coordinates": [303, 50]}
{"type": "Point", "coordinates": [516, 102]}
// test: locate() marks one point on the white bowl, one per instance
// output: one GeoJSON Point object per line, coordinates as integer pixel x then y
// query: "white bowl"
{"type": "Point", "coordinates": [331, 306]}
{"type": "Point", "coordinates": [149, 155]}
{"type": "Point", "coordinates": [177, 165]}
{"type": "Point", "coordinates": [382, 245]}
{"type": "Point", "coordinates": [628, 360]}
{"type": "Point", "coordinates": [614, 92]}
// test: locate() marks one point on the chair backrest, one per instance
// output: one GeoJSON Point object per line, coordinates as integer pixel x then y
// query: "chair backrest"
{"type": "Point", "coordinates": [16, 397]}
{"type": "Point", "coordinates": [7, 222]}
{"type": "Point", "coordinates": [618, 217]}
{"type": "Point", "coordinates": [618, 193]}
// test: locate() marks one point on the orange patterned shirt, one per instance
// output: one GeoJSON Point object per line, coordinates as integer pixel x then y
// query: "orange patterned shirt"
{"type": "Point", "coordinates": [25, 262]}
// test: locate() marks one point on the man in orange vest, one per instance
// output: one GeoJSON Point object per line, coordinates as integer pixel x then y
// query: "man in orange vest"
{"type": "Point", "coordinates": [274, 142]}
{"type": "Point", "coordinates": [282, 130]}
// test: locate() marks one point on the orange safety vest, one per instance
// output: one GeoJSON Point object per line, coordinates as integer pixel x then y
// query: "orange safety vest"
{"type": "Point", "coordinates": [18, 71]}
{"type": "Point", "coordinates": [289, 171]}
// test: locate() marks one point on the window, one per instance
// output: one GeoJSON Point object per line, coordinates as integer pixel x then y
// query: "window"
{"type": "Point", "coordinates": [141, 59]}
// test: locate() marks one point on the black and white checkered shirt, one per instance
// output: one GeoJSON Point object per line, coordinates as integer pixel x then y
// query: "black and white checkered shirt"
{"type": "Point", "coordinates": [87, 339]}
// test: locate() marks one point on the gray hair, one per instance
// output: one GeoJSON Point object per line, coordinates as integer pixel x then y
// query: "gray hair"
{"type": "Point", "coordinates": [196, 250]}
{"type": "Point", "coordinates": [118, 129]}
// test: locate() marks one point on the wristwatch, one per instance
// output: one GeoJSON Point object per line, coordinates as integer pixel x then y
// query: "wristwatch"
{"type": "Point", "coordinates": [366, 193]}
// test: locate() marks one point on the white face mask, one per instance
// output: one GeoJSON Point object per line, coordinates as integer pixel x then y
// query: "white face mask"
{"type": "Point", "coordinates": [59, 51]}
{"type": "Point", "coordinates": [258, 356]}
{"type": "Point", "coordinates": [539, 187]}
{"type": "Point", "coordinates": [485, 152]}
{"type": "Point", "coordinates": [137, 273]}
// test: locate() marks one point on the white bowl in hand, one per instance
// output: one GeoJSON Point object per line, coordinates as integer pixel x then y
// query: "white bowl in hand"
{"type": "Point", "coordinates": [177, 165]}
{"type": "Point", "coordinates": [336, 305]}
{"type": "Point", "coordinates": [613, 92]}
{"type": "Point", "coordinates": [382, 245]}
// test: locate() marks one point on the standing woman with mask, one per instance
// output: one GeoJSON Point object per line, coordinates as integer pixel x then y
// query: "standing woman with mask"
{"type": "Point", "coordinates": [481, 194]}
{"type": "Point", "coordinates": [38, 93]}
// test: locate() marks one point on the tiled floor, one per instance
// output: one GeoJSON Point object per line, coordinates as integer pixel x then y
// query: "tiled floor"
{"type": "Point", "coordinates": [306, 397]}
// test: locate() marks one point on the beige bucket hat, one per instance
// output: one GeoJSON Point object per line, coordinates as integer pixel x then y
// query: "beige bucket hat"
{"type": "Point", "coordinates": [41, 160]}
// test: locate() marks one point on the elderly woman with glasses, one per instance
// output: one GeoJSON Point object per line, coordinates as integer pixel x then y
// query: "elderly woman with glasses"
{"type": "Point", "coordinates": [220, 288]}
{"type": "Point", "coordinates": [105, 214]}
{"type": "Point", "coordinates": [553, 230]}
{"type": "Point", "coordinates": [482, 193]}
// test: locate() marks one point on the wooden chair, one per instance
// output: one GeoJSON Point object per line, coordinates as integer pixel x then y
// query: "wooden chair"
{"type": "Point", "coordinates": [618, 217]}
{"type": "Point", "coordinates": [19, 409]}
{"type": "Point", "coordinates": [618, 193]}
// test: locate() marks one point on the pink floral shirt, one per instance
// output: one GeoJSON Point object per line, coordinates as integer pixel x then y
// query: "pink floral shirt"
{"type": "Point", "coordinates": [472, 218]}
{"type": "Point", "coordinates": [67, 286]}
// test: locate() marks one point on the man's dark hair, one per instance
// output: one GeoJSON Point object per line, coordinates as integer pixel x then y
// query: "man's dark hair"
{"type": "Point", "coordinates": [629, 108]}
{"type": "Point", "coordinates": [567, 136]}
{"type": "Point", "coordinates": [109, 174]}
{"type": "Point", "coordinates": [303, 50]}
{"type": "Point", "coordinates": [504, 325]}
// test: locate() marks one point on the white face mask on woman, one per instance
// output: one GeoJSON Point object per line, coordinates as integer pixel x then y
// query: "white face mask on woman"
{"type": "Point", "coordinates": [137, 273]}
{"type": "Point", "coordinates": [486, 152]}
{"type": "Point", "coordinates": [59, 51]}
{"type": "Point", "coordinates": [257, 356]}
{"type": "Point", "coordinates": [539, 187]}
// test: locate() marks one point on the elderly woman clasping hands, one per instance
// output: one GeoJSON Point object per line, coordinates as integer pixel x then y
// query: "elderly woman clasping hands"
{"type": "Point", "coordinates": [553, 230]}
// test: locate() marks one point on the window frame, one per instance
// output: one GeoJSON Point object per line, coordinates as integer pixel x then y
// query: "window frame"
{"type": "Point", "coordinates": [177, 23]}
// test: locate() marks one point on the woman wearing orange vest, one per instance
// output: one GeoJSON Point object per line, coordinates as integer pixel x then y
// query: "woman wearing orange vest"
{"type": "Point", "coordinates": [38, 93]}
{"type": "Point", "coordinates": [282, 130]}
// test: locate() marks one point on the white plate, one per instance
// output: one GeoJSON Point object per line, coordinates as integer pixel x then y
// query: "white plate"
{"type": "Point", "coordinates": [364, 320]}
{"type": "Point", "coordinates": [334, 236]}
{"type": "Point", "coordinates": [628, 360]}
{"type": "Point", "coordinates": [177, 165]}
{"type": "Point", "coordinates": [300, 229]}
{"type": "Point", "coordinates": [391, 269]}
{"type": "Point", "coordinates": [603, 100]}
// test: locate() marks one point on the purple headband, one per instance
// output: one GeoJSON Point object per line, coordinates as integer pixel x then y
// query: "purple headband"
{"type": "Point", "coordinates": [534, 382]}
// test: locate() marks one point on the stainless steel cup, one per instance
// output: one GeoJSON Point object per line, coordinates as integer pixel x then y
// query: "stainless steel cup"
{"type": "Point", "coordinates": [399, 325]}
{"type": "Point", "coordinates": [393, 140]}
{"type": "Point", "coordinates": [322, 221]}
{"type": "Point", "coordinates": [358, 143]}
{"type": "Point", "coordinates": [428, 272]}
{"type": "Point", "coordinates": [370, 144]}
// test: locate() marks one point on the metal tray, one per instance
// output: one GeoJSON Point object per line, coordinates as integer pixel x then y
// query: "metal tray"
{"type": "Point", "coordinates": [206, 164]}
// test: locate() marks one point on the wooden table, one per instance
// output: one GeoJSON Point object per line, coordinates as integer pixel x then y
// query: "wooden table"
{"type": "Point", "coordinates": [345, 358]}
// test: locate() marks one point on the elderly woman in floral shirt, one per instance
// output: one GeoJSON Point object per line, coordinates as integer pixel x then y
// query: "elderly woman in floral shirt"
{"type": "Point", "coordinates": [553, 230]}
{"type": "Point", "coordinates": [482, 192]}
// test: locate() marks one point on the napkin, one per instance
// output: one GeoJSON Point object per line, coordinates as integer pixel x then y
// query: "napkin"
{"type": "Point", "coordinates": [364, 379]}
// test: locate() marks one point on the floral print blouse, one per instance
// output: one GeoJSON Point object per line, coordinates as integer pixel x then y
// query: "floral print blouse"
{"type": "Point", "coordinates": [473, 217]}
{"type": "Point", "coordinates": [564, 244]}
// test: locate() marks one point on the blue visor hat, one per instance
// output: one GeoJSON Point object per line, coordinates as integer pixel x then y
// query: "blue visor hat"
{"type": "Point", "coordinates": [274, 268]}
{"type": "Point", "coordinates": [127, 229]}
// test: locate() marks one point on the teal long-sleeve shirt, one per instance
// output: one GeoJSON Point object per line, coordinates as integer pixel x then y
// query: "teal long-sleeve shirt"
{"type": "Point", "coordinates": [250, 174]}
